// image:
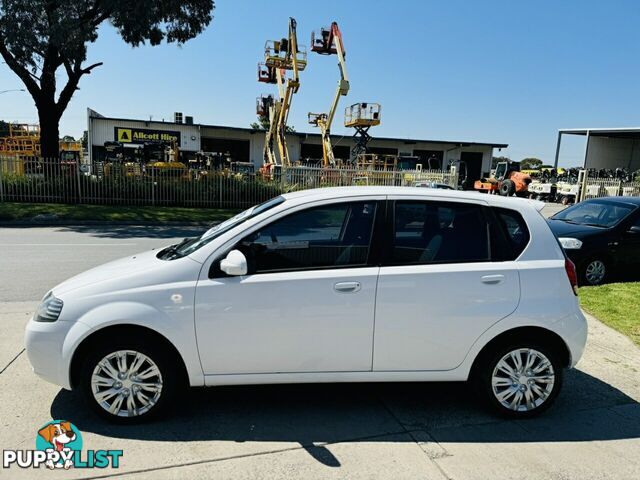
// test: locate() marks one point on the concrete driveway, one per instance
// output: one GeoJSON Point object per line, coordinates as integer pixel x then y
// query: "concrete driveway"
{"type": "Point", "coordinates": [395, 431]}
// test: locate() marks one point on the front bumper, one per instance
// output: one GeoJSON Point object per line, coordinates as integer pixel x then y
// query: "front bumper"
{"type": "Point", "coordinates": [48, 350]}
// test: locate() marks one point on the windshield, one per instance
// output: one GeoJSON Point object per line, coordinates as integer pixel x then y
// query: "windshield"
{"type": "Point", "coordinates": [596, 214]}
{"type": "Point", "coordinates": [190, 245]}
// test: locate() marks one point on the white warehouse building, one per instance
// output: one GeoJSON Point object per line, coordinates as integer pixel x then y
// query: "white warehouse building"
{"type": "Point", "coordinates": [246, 144]}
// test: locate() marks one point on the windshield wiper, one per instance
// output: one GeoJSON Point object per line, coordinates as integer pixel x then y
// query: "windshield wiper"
{"type": "Point", "coordinates": [173, 250]}
{"type": "Point", "coordinates": [565, 220]}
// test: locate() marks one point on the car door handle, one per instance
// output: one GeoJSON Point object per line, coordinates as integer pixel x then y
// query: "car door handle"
{"type": "Point", "coordinates": [347, 287]}
{"type": "Point", "coordinates": [493, 279]}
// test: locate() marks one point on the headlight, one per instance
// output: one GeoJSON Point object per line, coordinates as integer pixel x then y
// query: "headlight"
{"type": "Point", "coordinates": [49, 310]}
{"type": "Point", "coordinates": [570, 243]}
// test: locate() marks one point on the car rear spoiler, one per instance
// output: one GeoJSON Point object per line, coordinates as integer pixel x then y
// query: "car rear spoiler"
{"type": "Point", "coordinates": [537, 204]}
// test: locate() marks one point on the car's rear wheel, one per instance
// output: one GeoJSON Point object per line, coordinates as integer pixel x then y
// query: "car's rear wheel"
{"type": "Point", "coordinates": [128, 381]}
{"type": "Point", "coordinates": [521, 380]}
{"type": "Point", "coordinates": [593, 272]}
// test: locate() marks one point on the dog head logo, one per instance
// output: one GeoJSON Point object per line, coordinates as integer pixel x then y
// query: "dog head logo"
{"type": "Point", "coordinates": [61, 437]}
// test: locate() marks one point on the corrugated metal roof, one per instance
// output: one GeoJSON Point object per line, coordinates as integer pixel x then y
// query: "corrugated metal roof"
{"type": "Point", "coordinates": [304, 134]}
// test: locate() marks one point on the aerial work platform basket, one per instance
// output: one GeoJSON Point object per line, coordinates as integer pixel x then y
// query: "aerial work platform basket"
{"type": "Point", "coordinates": [263, 103]}
{"type": "Point", "coordinates": [277, 54]}
{"type": "Point", "coordinates": [362, 115]}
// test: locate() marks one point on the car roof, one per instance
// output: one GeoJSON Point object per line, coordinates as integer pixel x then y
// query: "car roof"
{"type": "Point", "coordinates": [628, 200]}
{"type": "Point", "coordinates": [359, 191]}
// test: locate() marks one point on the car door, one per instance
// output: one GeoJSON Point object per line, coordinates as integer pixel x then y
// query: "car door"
{"type": "Point", "coordinates": [307, 302]}
{"type": "Point", "coordinates": [628, 249]}
{"type": "Point", "coordinates": [438, 289]}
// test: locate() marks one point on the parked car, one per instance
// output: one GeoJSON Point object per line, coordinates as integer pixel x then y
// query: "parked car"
{"type": "Point", "coordinates": [442, 186]}
{"type": "Point", "coordinates": [600, 236]}
{"type": "Point", "coordinates": [462, 287]}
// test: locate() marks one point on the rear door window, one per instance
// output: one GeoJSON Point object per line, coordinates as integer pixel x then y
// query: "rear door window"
{"type": "Point", "coordinates": [438, 232]}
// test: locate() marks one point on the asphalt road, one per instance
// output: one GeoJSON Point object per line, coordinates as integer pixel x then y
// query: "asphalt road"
{"type": "Point", "coordinates": [35, 259]}
{"type": "Point", "coordinates": [394, 431]}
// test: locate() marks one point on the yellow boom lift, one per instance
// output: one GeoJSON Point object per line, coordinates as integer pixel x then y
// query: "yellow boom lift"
{"type": "Point", "coordinates": [328, 41]}
{"type": "Point", "coordinates": [268, 107]}
{"type": "Point", "coordinates": [280, 56]}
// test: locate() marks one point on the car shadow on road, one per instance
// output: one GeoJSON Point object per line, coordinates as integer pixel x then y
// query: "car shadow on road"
{"type": "Point", "coordinates": [136, 231]}
{"type": "Point", "coordinates": [587, 410]}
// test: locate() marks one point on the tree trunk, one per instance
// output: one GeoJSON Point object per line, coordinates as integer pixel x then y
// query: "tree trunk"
{"type": "Point", "coordinates": [49, 130]}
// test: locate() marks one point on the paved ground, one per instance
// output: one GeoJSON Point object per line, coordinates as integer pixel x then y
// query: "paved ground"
{"type": "Point", "coordinates": [429, 431]}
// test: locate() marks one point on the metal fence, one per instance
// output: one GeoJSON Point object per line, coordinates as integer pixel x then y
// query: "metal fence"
{"type": "Point", "coordinates": [52, 181]}
{"type": "Point", "coordinates": [593, 186]}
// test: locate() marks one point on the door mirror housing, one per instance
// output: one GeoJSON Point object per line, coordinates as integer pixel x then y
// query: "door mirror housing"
{"type": "Point", "coordinates": [235, 263]}
{"type": "Point", "coordinates": [634, 229]}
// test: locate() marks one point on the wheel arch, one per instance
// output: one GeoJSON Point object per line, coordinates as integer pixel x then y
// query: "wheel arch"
{"type": "Point", "coordinates": [537, 334]}
{"type": "Point", "coordinates": [122, 330]}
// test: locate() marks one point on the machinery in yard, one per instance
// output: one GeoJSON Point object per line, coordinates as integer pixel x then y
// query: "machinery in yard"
{"type": "Point", "coordinates": [282, 56]}
{"type": "Point", "coordinates": [545, 191]}
{"type": "Point", "coordinates": [328, 41]}
{"type": "Point", "coordinates": [153, 157]}
{"type": "Point", "coordinates": [361, 117]}
{"type": "Point", "coordinates": [507, 180]}
{"type": "Point", "coordinates": [267, 107]}
{"type": "Point", "coordinates": [23, 141]}
{"type": "Point", "coordinates": [567, 192]}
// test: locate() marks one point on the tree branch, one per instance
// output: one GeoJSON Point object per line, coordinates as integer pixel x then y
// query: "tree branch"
{"type": "Point", "coordinates": [72, 84]}
{"type": "Point", "coordinates": [19, 70]}
{"type": "Point", "coordinates": [86, 71]}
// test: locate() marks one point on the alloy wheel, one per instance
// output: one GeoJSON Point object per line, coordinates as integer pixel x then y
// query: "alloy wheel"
{"type": "Point", "coordinates": [595, 272]}
{"type": "Point", "coordinates": [126, 383]}
{"type": "Point", "coordinates": [523, 380]}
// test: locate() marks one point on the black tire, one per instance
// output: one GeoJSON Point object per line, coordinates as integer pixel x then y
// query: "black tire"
{"type": "Point", "coordinates": [588, 272]}
{"type": "Point", "coordinates": [507, 188]}
{"type": "Point", "coordinates": [171, 379]}
{"type": "Point", "coordinates": [484, 373]}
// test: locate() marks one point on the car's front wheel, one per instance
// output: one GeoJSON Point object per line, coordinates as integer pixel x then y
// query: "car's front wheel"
{"type": "Point", "coordinates": [521, 380]}
{"type": "Point", "coordinates": [129, 381]}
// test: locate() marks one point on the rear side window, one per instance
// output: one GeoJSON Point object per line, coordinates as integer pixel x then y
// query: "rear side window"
{"type": "Point", "coordinates": [510, 236]}
{"type": "Point", "coordinates": [438, 232]}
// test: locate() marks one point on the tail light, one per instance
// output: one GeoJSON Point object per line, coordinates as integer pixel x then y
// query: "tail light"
{"type": "Point", "coordinates": [572, 274]}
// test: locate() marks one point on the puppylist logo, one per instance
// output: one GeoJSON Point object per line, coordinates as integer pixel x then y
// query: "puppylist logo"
{"type": "Point", "coordinates": [59, 445]}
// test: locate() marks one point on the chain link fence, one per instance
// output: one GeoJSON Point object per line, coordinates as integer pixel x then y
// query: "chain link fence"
{"type": "Point", "coordinates": [53, 181]}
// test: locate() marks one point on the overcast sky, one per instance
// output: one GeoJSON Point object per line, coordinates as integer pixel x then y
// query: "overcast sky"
{"type": "Point", "coordinates": [492, 71]}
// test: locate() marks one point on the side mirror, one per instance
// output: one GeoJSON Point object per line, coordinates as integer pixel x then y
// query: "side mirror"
{"type": "Point", "coordinates": [634, 229]}
{"type": "Point", "coordinates": [235, 263]}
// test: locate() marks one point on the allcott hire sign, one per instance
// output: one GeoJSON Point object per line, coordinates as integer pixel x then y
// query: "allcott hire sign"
{"type": "Point", "coordinates": [141, 135]}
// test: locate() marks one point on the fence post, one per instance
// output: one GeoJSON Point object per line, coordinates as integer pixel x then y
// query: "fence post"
{"type": "Point", "coordinates": [153, 186]}
{"type": "Point", "coordinates": [2, 160]}
{"type": "Point", "coordinates": [453, 178]}
{"type": "Point", "coordinates": [582, 185]}
{"type": "Point", "coordinates": [78, 180]}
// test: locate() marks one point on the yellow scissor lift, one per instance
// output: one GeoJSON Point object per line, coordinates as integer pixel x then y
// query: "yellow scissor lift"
{"type": "Point", "coordinates": [328, 41]}
{"type": "Point", "coordinates": [361, 117]}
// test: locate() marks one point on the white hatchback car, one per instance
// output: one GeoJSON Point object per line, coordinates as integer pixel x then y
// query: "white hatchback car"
{"type": "Point", "coordinates": [353, 284]}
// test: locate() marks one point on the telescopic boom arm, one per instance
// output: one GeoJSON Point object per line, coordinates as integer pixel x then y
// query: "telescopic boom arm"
{"type": "Point", "coordinates": [330, 42]}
